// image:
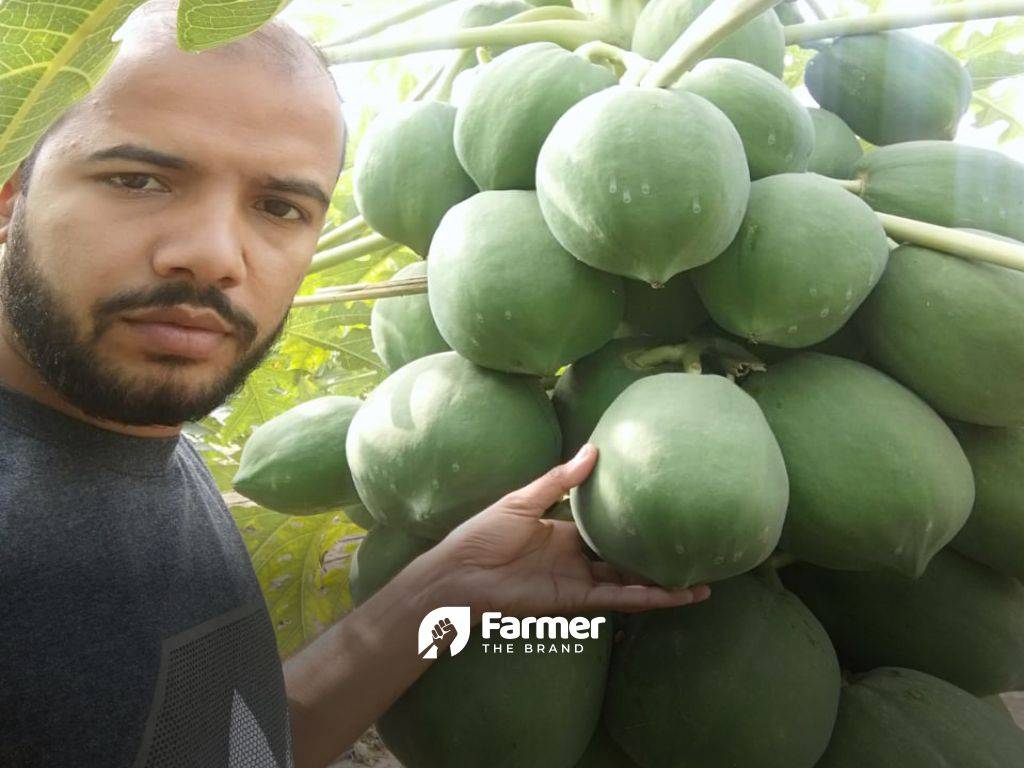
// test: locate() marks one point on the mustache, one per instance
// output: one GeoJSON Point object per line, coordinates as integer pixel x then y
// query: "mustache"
{"type": "Point", "coordinates": [173, 294]}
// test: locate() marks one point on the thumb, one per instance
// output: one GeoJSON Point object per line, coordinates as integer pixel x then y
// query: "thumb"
{"type": "Point", "coordinates": [550, 487]}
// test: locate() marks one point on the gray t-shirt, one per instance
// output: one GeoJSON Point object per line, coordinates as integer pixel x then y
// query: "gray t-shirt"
{"type": "Point", "coordinates": [134, 631]}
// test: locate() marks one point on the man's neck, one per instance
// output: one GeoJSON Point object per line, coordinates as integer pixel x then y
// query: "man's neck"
{"type": "Point", "coordinates": [19, 374]}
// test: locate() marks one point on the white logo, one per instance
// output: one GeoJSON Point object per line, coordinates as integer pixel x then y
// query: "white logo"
{"type": "Point", "coordinates": [452, 623]}
{"type": "Point", "coordinates": [441, 624]}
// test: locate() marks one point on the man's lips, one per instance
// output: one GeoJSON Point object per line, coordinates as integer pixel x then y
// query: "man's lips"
{"type": "Point", "coordinates": [179, 331]}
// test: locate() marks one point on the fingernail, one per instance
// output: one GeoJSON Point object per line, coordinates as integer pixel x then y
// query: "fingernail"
{"type": "Point", "coordinates": [581, 455]}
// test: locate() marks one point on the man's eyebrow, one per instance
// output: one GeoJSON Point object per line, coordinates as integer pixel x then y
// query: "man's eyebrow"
{"type": "Point", "coordinates": [140, 154]}
{"type": "Point", "coordinates": [298, 187]}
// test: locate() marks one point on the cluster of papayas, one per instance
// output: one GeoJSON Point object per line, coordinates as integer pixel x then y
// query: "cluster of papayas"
{"type": "Point", "coordinates": [824, 424]}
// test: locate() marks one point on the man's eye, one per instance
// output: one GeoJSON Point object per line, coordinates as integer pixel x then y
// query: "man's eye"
{"type": "Point", "coordinates": [135, 181]}
{"type": "Point", "coordinates": [281, 209]}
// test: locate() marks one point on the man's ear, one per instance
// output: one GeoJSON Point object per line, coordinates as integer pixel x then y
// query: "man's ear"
{"type": "Point", "coordinates": [8, 193]}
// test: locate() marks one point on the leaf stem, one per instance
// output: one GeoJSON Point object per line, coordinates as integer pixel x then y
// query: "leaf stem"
{"type": "Point", "coordinates": [361, 291]}
{"type": "Point", "coordinates": [383, 22]}
{"type": "Point", "coordinates": [954, 241]}
{"type": "Point", "coordinates": [600, 52]}
{"type": "Point", "coordinates": [340, 233]}
{"type": "Point", "coordinates": [347, 252]}
{"type": "Point", "coordinates": [880, 22]}
{"type": "Point", "coordinates": [567, 33]}
{"type": "Point", "coordinates": [718, 21]}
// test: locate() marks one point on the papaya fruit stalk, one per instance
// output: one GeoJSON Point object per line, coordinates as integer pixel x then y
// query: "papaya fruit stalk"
{"type": "Point", "coordinates": [879, 22]}
{"type": "Point", "coordinates": [716, 23]}
{"type": "Point", "coordinates": [622, 61]}
{"type": "Point", "coordinates": [567, 33]}
{"type": "Point", "coordinates": [735, 360]}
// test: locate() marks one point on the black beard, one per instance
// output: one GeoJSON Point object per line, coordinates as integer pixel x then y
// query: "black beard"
{"type": "Point", "coordinates": [68, 361]}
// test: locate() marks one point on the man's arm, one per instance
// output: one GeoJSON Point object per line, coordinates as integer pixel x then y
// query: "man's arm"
{"type": "Point", "coordinates": [341, 683]}
{"type": "Point", "coordinates": [506, 558]}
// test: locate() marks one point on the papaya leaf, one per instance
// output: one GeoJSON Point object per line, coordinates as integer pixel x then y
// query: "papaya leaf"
{"type": "Point", "coordinates": [51, 55]}
{"type": "Point", "coordinates": [205, 24]}
{"type": "Point", "coordinates": [989, 68]}
{"type": "Point", "coordinates": [1003, 33]}
{"type": "Point", "coordinates": [302, 564]}
{"type": "Point", "coordinates": [990, 110]}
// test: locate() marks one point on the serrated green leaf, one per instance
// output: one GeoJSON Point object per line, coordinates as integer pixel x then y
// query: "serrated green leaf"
{"type": "Point", "coordinates": [51, 55]}
{"type": "Point", "coordinates": [302, 563]}
{"type": "Point", "coordinates": [205, 24]}
{"type": "Point", "coordinates": [989, 68]}
{"type": "Point", "coordinates": [990, 109]}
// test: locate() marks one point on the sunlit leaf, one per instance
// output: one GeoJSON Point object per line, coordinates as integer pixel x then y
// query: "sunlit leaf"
{"type": "Point", "coordinates": [302, 563]}
{"type": "Point", "coordinates": [989, 68]}
{"type": "Point", "coordinates": [205, 24]}
{"type": "Point", "coordinates": [51, 54]}
{"type": "Point", "coordinates": [990, 110]}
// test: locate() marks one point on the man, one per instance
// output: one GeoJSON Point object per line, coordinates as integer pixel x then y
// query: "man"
{"type": "Point", "coordinates": [154, 241]}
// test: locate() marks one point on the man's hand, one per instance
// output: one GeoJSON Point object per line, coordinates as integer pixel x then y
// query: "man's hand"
{"type": "Point", "coordinates": [508, 558]}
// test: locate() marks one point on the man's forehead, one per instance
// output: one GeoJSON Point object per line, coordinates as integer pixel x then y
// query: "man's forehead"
{"type": "Point", "coordinates": [229, 106]}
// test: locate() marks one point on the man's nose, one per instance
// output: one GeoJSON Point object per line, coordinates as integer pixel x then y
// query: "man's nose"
{"type": "Point", "coordinates": [207, 246]}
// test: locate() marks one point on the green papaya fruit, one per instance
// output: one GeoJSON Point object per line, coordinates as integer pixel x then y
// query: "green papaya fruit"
{"type": "Point", "coordinates": [620, 198]}
{"type": "Point", "coordinates": [877, 479]}
{"type": "Point", "coordinates": [836, 149]}
{"type": "Point", "coordinates": [671, 312]}
{"type": "Point", "coordinates": [952, 185]}
{"type": "Point", "coordinates": [776, 130]}
{"type": "Point", "coordinates": [402, 327]}
{"type": "Point", "coordinates": [603, 752]}
{"type": "Point", "coordinates": [406, 173]}
{"type": "Point", "coordinates": [500, 710]}
{"type": "Point", "coordinates": [689, 485]}
{"type": "Point", "coordinates": [902, 718]}
{"type": "Point", "coordinates": [994, 533]}
{"type": "Point", "coordinates": [760, 41]}
{"type": "Point", "coordinates": [846, 342]}
{"type": "Point", "coordinates": [584, 392]}
{"type": "Point", "coordinates": [484, 13]}
{"type": "Point", "coordinates": [960, 620]}
{"type": "Point", "coordinates": [681, 678]}
{"type": "Point", "coordinates": [511, 107]}
{"type": "Point", "coordinates": [950, 329]}
{"type": "Point", "coordinates": [357, 514]}
{"type": "Point", "coordinates": [999, 705]}
{"type": "Point", "coordinates": [807, 255]}
{"type": "Point", "coordinates": [507, 296]}
{"type": "Point", "coordinates": [423, 449]}
{"type": "Point", "coordinates": [890, 87]}
{"type": "Point", "coordinates": [296, 462]}
{"type": "Point", "coordinates": [381, 555]}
